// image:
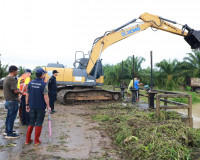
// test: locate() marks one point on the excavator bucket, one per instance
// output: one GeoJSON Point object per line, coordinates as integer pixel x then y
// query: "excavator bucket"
{"type": "Point", "coordinates": [193, 39]}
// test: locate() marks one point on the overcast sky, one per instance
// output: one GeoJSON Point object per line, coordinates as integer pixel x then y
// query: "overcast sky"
{"type": "Point", "coordinates": [36, 32]}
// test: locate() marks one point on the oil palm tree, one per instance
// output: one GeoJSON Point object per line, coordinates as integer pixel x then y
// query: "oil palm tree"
{"type": "Point", "coordinates": [137, 65]}
{"type": "Point", "coordinates": [168, 75]}
{"type": "Point", "coordinates": [191, 64]}
{"type": "Point", "coordinates": [113, 73]}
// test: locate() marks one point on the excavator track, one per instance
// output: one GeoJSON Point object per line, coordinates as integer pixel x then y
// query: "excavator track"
{"type": "Point", "coordinates": [69, 96]}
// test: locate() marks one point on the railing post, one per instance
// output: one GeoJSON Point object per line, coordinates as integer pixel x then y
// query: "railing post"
{"type": "Point", "coordinates": [151, 96]}
{"type": "Point", "coordinates": [133, 90]}
{"type": "Point", "coordinates": [190, 106]}
{"type": "Point", "coordinates": [190, 111]}
{"type": "Point", "coordinates": [165, 102]}
{"type": "Point", "coordinates": [151, 57]}
{"type": "Point", "coordinates": [122, 91]}
{"type": "Point", "coordinates": [157, 105]}
{"type": "Point", "coordinates": [122, 82]}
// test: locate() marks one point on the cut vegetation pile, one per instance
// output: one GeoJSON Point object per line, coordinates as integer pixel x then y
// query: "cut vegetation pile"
{"type": "Point", "coordinates": [140, 135]}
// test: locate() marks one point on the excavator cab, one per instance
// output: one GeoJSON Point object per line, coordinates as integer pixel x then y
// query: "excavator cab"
{"type": "Point", "coordinates": [81, 63]}
{"type": "Point", "coordinates": [193, 37]}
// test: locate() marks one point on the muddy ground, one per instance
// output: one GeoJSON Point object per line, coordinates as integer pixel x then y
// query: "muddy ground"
{"type": "Point", "coordinates": [74, 136]}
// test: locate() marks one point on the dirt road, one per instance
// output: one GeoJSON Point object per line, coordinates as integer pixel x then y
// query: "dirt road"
{"type": "Point", "coordinates": [74, 136]}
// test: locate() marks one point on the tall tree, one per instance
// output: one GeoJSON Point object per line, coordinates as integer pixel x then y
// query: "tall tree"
{"type": "Point", "coordinates": [137, 65]}
{"type": "Point", "coordinates": [21, 70]}
{"type": "Point", "coordinates": [191, 64]}
{"type": "Point", "coordinates": [3, 70]}
{"type": "Point", "coordinates": [168, 75]}
{"type": "Point", "coordinates": [33, 76]}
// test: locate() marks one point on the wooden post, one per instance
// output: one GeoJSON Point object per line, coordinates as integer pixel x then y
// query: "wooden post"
{"type": "Point", "coordinates": [190, 111]}
{"type": "Point", "coordinates": [190, 106]}
{"type": "Point", "coordinates": [122, 81]}
{"type": "Point", "coordinates": [157, 105]}
{"type": "Point", "coordinates": [133, 69]}
{"type": "Point", "coordinates": [165, 102]}
{"type": "Point", "coordinates": [151, 57]}
{"type": "Point", "coordinates": [133, 90]}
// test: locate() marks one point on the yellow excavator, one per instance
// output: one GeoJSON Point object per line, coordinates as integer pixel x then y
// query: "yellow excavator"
{"type": "Point", "coordinates": [81, 82]}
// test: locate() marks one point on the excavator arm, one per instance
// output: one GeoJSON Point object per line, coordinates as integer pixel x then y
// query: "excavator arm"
{"type": "Point", "coordinates": [148, 20]}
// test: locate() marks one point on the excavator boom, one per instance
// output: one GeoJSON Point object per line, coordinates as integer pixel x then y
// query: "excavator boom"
{"type": "Point", "coordinates": [191, 36]}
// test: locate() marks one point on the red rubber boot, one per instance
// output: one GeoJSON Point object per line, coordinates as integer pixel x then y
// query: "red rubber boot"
{"type": "Point", "coordinates": [37, 135]}
{"type": "Point", "coordinates": [28, 135]}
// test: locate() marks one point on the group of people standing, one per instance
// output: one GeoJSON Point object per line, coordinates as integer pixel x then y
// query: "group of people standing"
{"type": "Point", "coordinates": [31, 98]}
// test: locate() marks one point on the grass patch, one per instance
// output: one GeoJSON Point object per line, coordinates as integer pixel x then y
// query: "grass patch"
{"type": "Point", "coordinates": [102, 118]}
{"type": "Point", "coordinates": [140, 135]}
{"type": "Point", "coordinates": [52, 148]}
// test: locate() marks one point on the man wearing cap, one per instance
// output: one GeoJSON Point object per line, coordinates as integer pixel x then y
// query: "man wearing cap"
{"type": "Point", "coordinates": [37, 101]}
{"type": "Point", "coordinates": [23, 82]}
{"type": "Point", "coordinates": [11, 96]}
{"type": "Point", "coordinates": [52, 85]}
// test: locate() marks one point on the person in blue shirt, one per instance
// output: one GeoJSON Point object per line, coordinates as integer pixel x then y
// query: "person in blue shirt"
{"type": "Point", "coordinates": [136, 86]}
{"type": "Point", "coordinates": [37, 101]}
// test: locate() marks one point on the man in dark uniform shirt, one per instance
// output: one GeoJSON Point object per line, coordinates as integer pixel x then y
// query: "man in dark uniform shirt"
{"type": "Point", "coordinates": [37, 101]}
{"type": "Point", "coordinates": [52, 86]}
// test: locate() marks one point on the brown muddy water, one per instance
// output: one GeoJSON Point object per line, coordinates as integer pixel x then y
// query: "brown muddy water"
{"type": "Point", "coordinates": [195, 114]}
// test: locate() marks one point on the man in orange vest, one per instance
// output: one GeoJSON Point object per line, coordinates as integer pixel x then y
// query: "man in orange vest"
{"type": "Point", "coordinates": [45, 78]}
{"type": "Point", "coordinates": [23, 82]}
